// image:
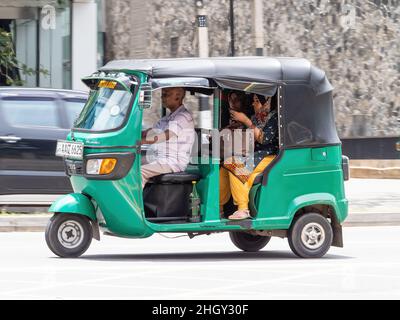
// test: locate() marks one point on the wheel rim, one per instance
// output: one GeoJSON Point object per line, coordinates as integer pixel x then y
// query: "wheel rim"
{"type": "Point", "coordinates": [70, 234]}
{"type": "Point", "coordinates": [313, 235]}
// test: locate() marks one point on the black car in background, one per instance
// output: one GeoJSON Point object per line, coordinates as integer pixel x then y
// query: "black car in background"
{"type": "Point", "coordinates": [31, 122]}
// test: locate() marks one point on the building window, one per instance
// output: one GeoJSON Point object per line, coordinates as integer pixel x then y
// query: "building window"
{"type": "Point", "coordinates": [42, 40]}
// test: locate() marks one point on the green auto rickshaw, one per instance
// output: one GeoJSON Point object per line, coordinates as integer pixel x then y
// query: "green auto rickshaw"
{"type": "Point", "coordinates": [300, 194]}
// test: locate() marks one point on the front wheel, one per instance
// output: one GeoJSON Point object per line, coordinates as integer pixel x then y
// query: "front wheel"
{"type": "Point", "coordinates": [68, 235]}
{"type": "Point", "coordinates": [247, 242]}
{"type": "Point", "coordinates": [310, 236]}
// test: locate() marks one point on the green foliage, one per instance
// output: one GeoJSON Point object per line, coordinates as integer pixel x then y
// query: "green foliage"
{"type": "Point", "coordinates": [62, 3]}
{"type": "Point", "coordinates": [9, 65]}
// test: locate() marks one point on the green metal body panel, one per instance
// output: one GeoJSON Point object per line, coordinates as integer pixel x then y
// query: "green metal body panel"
{"type": "Point", "coordinates": [74, 203]}
{"type": "Point", "coordinates": [120, 204]}
{"type": "Point", "coordinates": [301, 177]}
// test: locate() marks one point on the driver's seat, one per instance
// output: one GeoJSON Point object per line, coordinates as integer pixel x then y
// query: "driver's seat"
{"type": "Point", "coordinates": [166, 197]}
{"type": "Point", "coordinates": [175, 178]}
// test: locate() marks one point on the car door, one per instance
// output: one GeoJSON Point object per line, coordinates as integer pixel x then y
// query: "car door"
{"type": "Point", "coordinates": [28, 136]}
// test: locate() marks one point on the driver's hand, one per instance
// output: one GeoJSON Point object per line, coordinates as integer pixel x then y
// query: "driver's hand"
{"type": "Point", "coordinates": [145, 132]}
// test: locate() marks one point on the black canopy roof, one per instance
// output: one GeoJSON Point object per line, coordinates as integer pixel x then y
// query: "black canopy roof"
{"type": "Point", "coordinates": [252, 69]}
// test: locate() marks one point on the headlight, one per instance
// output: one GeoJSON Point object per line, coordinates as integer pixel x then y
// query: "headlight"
{"type": "Point", "coordinates": [100, 166]}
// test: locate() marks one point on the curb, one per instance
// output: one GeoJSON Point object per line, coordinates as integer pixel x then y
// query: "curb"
{"type": "Point", "coordinates": [38, 223]}
{"type": "Point", "coordinates": [22, 223]}
{"type": "Point", "coordinates": [375, 168]}
{"type": "Point", "coordinates": [372, 219]}
{"type": "Point", "coordinates": [375, 173]}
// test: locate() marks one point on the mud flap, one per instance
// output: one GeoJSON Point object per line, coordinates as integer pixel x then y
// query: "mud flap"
{"type": "Point", "coordinates": [96, 230]}
{"type": "Point", "coordinates": [337, 235]}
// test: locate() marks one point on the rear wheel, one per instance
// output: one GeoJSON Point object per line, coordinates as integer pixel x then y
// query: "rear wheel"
{"type": "Point", "coordinates": [68, 235]}
{"type": "Point", "coordinates": [248, 242]}
{"type": "Point", "coordinates": [310, 236]}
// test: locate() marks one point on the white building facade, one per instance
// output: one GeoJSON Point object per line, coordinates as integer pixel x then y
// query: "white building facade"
{"type": "Point", "coordinates": [63, 38]}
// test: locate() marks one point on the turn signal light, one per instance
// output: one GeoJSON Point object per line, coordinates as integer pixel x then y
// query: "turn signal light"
{"type": "Point", "coordinates": [100, 166]}
{"type": "Point", "coordinates": [108, 165]}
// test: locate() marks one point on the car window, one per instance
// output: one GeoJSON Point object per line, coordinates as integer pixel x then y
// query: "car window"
{"type": "Point", "coordinates": [73, 108]}
{"type": "Point", "coordinates": [30, 112]}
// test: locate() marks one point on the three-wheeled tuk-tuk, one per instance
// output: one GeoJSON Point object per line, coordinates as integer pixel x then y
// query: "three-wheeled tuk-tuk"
{"type": "Point", "coordinates": [299, 195]}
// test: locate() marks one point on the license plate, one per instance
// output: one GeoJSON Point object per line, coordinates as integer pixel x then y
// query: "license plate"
{"type": "Point", "coordinates": [68, 149]}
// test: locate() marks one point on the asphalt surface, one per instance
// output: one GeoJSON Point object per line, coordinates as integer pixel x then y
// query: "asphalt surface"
{"type": "Point", "coordinates": [206, 267]}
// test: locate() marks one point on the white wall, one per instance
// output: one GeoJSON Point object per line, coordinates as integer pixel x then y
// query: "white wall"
{"type": "Point", "coordinates": [51, 56]}
{"type": "Point", "coordinates": [84, 41]}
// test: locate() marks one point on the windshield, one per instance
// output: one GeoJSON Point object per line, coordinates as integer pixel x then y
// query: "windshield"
{"type": "Point", "coordinates": [105, 109]}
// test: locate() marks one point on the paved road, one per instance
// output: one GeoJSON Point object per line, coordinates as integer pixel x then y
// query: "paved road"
{"type": "Point", "coordinates": [206, 267]}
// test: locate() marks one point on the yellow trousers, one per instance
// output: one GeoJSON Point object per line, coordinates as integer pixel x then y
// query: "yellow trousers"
{"type": "Point", "coordinates": [229, 185]}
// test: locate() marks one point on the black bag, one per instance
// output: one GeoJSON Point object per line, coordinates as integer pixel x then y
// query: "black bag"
{"type": "Point", "coordinates": [167, 200]}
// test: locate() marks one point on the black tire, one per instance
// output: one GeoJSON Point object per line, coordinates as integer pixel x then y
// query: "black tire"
{"type": "Point", "coordinates": [248, 242]}
{"type": "Point", "coordinates": [63, 226]}
{"type": "Point", "coordinates": [310, 236]}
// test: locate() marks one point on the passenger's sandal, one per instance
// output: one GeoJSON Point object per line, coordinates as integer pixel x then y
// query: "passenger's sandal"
{"type": "Point", "coordinates": [240, 215]}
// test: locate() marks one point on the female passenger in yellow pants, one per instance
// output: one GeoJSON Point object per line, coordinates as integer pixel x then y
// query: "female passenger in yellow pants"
{"type": "Point", "coordinates": [232, 185]}
{"type": "Point", "coordinates": [236, 176]}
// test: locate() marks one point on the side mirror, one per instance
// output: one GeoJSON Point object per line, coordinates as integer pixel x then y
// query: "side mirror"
{"type": "Point", "coordinates": [145, 95]}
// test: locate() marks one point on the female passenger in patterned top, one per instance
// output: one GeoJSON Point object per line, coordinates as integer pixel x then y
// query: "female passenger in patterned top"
{"type": "Point", "coordinates": [237, 174]}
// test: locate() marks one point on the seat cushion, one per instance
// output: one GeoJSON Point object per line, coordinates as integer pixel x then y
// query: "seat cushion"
{"type": "Point", "coordinates": [175, 177]}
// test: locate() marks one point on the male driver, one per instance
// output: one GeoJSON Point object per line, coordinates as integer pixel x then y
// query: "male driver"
{"type": "Point", "coordinates": [171, 138]}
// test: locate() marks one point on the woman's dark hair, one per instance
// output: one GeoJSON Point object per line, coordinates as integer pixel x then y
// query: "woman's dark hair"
{"type": "Point", "coordinates": [274, 102]}
{"type": "Point", "coordinates": [241, 97]}
{"type": "Point", "coordinates": [261, 98]}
